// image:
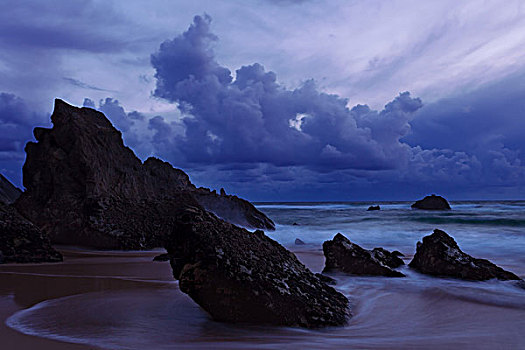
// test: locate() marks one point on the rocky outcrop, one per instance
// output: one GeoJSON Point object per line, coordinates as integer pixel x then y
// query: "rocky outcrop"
{"type": "Point", "coordinates": [431, 202]}
{"type": "Point", "coordinates": [21, 241]}
{"type": "Point", "coordinates": [439, 255]}
{"type": "Point", "coordinates": [299, 242]}
{"type": "Point", "coordinates": [345, 256]}
{"type": "Point", "coordinates": [239, 276]}
{"type": "Point", "coordinates": [390, 259]}
{"type": "Point", "coordinates": [374, 207]}
{"type": "Point", "coordinates": [232, 209]}
{"type": "Point", "coordinates": [8, 192]}
{"type": "Point", "coordinates": [84, 187]}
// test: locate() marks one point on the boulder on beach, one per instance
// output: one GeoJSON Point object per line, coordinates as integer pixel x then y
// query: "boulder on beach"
{"type": "Point", "coordinates": [374, 207]}
{"type": "Point", "coordinates": [85, 187]}
{"type": "Point", "coordinates": [344, 256]}
{"type": "Point", "coordinates": [21, 241]}
{"type": "Point", "coordinates": [431, 202]}
{"type": "Point", "coordinates": [439, 255]}
{"type": "Point", "coordinates": [243, 277]}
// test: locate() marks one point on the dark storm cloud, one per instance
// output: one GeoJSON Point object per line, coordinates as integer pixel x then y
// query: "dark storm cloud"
{"type": "Point", "coordinates": [488, 123]}
{"type": "Point", "coordinates": [254, 119]}
{"type": "Point", "coordinates": [16, 124]}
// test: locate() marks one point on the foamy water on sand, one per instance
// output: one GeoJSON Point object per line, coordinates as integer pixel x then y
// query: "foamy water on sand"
{"type": "Point", "coordinates": [133, 307]}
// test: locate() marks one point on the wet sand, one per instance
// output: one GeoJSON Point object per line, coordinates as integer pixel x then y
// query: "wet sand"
{"type": "Point", "coordinates": [82, 271]}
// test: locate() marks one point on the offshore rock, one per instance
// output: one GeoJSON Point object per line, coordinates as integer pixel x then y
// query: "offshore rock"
{"type": "Point", "coordinates": [345, 256]}
{"type": "Point", "coordinates": [374, 207]}
{"type": "Point", "coordinates": [21, 241]}
{"type": "Point", "coordinates": [8, 192]}
{"type": "Point", "coordinates": [439, 255]}
{"type": "Point", "coordinates": [299, 242]}
{"type": "Point", "coordinates": [432, 202]}
{"type": "Point", "coordinates": [243, 277]}
{"type": "Point", "coordinates": [84, 187]}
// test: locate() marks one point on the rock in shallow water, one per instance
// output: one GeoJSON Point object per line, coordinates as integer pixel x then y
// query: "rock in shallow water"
{"type": "Point", "coordinates": [439, 255]}
{"type": "Point", "coordinates": [345, 256]}
{"type": "Point", "coordinates": [432, 202]}
{"type": "Point", "coordinates": [244, 277]}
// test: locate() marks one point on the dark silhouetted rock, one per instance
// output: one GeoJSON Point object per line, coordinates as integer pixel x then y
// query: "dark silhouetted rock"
{"type": "Point", "coordinates": [84, 187]}
{"type": "Point", "coordinates": [432, 202]}
{"type": "Point", "coordinates": [162, 257]}
{"type": "Point", "coordinates": [295, 224]}
{"type": "Point", "coordinates": [8, 192]}
{"type": "Point", "coordinates": [232, 209]}
{"type": "Point", "coordinates": [223, 192]}
{"type": "Point", "coordinates": [345, 256]}
{"type": "Point", "coordinates": [439, 255]}
{"type": "Point", "coordinates": [239, 276]}
{"type": "Point", "coordinates": [390, 259]}
{"type": "Point", "coordinates": [326, 279]}
{"type": "Point", "coordinates": [299, 242]}
{"type": "Point", "coordinates": [374, 207]}
{"type": "Point", "coordinates": [21, 241]}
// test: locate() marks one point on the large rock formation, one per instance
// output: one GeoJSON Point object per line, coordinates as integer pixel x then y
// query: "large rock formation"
{"type": "Point", "coordinates": [21, 241]}
{"type": "Point", "coordinates": [239, 276]}
{"type": "Point", "coordinates": [439, 255]}
{"type": "Point", "coordinates": [431, 202]}
{"type": "Point", "coordinates": [8, 192]}
{"type": "Point", "coordinates": [345, 256]}
{"type": "Point", "coordinates": [83, 186]}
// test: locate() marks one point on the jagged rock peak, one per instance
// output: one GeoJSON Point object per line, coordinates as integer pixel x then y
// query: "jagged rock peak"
{"type": "Point", "coordinates": [439, 255]}
{"type": "Point", "coordinates": [80, 168]}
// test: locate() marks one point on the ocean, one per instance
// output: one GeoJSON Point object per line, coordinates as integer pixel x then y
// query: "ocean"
{"type": "Point", "coordinates": [415, 312]}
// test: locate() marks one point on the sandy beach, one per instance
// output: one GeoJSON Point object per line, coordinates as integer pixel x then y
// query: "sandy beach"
{"type": "Point", "coordinates": [83, 271]}
{"type": "Point", "coordinates": [124, 300]}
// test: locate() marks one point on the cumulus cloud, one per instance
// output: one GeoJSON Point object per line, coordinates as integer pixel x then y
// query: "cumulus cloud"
{"type": "Point", "coordinates": [254, 119]}
{"type": "Point", "coordinates": [249, 118]}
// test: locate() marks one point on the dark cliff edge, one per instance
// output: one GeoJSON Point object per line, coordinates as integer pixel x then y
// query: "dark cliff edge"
{"type": "Point", "coordinates": [85, 187]}
{"type": "Point", "coordinates": [9, 193]}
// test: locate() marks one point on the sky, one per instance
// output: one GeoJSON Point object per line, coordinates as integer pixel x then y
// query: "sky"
{"type": "Point", "coordinates": [284, 100]}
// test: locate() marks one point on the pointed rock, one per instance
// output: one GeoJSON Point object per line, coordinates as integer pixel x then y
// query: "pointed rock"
{"type": "Point", "coordinates": [84, 187]}
{"type": "Point", "coordinates": [439, 255]}
{"type": "Point", "coordinates": [243, 277]}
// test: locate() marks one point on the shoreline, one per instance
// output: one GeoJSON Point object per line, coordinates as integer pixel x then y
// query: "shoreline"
{"type": "Point", "coordinates": [83, 271]}
{"type": "Point", "coordinates": [133, 279]}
